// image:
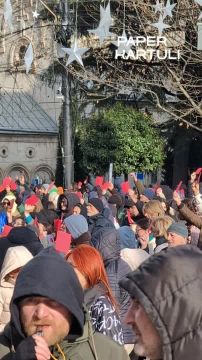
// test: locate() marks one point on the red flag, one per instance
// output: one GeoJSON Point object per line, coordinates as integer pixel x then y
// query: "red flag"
{"type": "Point", "coordinates": [57, 224]}
{"type": "Point", "coordinates": [198, 171]}
{"type": "Point", "coordinates": [178, 186]}
{"type": "Point", "coordinates": [62, 242]}
{"type": "Point", "coordinates": [99, 180]}
{"type": "Point", "coordinates": [32, 200]}
{"type": "Point", "coordinates": [105, 186]}
{"type": "Point", "coordinates": [6, 230]}
{"type": "Point", "coordinates": [8, 181]}
{"type": "Point", "coordinates": [125, 187]}
{"type": "Point", "coordinates": [130, 220]}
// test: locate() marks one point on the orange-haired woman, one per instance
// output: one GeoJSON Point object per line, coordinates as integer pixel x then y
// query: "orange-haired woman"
{"type": "Point", "coordinates": [99, 300]}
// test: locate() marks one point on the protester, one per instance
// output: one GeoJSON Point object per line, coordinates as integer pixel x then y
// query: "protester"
{"type": "Point", "coordinates": [66, 204]}
{"type": "Point", "coordinates": [189, 216]}
{"type": "Point", "coordinates": [152, 209]}
{"type": "Point", "coordinates": [16, 257]}
{"type": "Point", "coordinates": [20, 236]}
{"type": "Point", "coordinates": [177, 234]}
{"type": "Point", "coordinates": [166, 305]}
{"type": "Point", "coordinates": [159, 227]}
{"type": "Point", "coordinates": [127, 238]}
{"type": "Point", "coordinates": [143, 233]}
{"type": "Point", "coordinates": [108, 245]}
{"type": "Point", "coordinates": [97, 219]}
{"type": "Point", "coordinates": [48, 319]}
{"type": "Point", "coordinates": [98, 296]}
{"type": "Point", "coordinates": [77, 226]}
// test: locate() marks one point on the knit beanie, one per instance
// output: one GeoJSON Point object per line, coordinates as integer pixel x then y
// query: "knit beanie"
{"type": "Point", "coordinates": [116, 200]}
{"type": "Point", "coordinates": [129, 203]}
{"type": "Point", "coordinates": [97, 203]}
{"type": "Point", "coordinates": [178, 228]}
{"type": "Point", "coordinates": [76, 224]}
{"type": "Point", "coordinates": [149, 193]}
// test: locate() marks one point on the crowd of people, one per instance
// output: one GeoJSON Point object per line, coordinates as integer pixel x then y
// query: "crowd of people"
{"type": "Point", "coordinates": [128, 284]}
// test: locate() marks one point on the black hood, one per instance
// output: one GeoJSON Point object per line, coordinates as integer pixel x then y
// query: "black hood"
{"type": "Point", "coordinates": [25, 236]}
{"type": "Point", "coordinates": [72, 201]}
{"type": "Point", "coordinates": [169, 287]}
{"type": "Point", "coordinates": [49, 275]}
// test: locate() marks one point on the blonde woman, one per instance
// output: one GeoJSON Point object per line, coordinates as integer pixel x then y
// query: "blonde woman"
{"type": "Point", "coordinates": [153, 209]}
{"type": "Point", "coordinates": [159, 227]}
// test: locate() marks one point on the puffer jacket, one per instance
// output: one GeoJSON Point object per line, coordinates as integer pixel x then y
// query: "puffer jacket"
{"type": "Point", "coordinates": [15, 258]}
{"type": "Point", "coordinates": [108, 244]}
{"type": "Point", "coordinates": [98, 224]}
{"type": "Point", "coordinates": [169, 287]}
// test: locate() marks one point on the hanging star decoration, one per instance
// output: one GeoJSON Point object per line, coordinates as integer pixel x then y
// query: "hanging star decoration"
{"type": "Point", "coordinates": [29, 56]}
{"type": "Point", "coordinates": [102, 31]}
{"type": "Point", "coordinates": [167, 10]}
{"type": "Point", "coordinates": [75, 53]}
{"type": "Point", "coordinates": [35, 14]}
{"type": "Point", "coordinates": [8, 13]}
{"type": "Point", "coordinates": [123, 47]}
{"type": "Point", "coordinates": [160, 25]}
{"type": "Point", "coordinates": [158, 7]}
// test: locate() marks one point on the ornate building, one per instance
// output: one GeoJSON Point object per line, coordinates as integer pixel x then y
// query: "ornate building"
{"type": "Point", "coordinates": [29, 109]}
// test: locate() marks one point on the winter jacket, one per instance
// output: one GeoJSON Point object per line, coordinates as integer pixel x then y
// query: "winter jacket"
{"type": "Point", "coordinates": [90, 346]}
{"type": "Point", "coordinates": [20, 236]}
{"type": "Point", "coordinates": [15, 258]}
{"type": "Point", "coordinates": [109, 247]}
{"type": "Point", "coordinates": [104, 317]}
{"type": "Point", "coordinates": [192, 218]}
{"type": "Point", "coordinates": [40, 277]}
{"type": "Point", "coordinates": [161, 244]}
{"type": "Point", "coordinates": [169, 287]}
{"type": "Point", "coordinates": [98, 224]}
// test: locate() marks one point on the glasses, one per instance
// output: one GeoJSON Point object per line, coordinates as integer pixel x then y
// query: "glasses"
{"type": "Point", "coordinates": [6, 203]}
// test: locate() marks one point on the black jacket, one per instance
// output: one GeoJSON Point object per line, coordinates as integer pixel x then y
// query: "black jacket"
{"type": "Point", "coordinates": [169, 287]}
{"type": "Point", "coordinates": [98, 224]}
{"type": "Point", "coordinates": [108, 245]}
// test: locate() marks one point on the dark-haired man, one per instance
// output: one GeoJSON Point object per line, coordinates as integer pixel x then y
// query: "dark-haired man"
{"type": "Point", "coordinates": [48, 320]}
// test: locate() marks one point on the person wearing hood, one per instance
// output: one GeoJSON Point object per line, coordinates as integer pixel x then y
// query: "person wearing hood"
{"type": "Point", "coordinates": [166, 309]}
{"type": "Point", "coordinates": [16, 257]}
{"type": "Point", "coordinates": [66, 204]}
{"type": "Point", "coordinates": [98, 220]}
{"type": "Point", "coordinates": [108, 245]}
{"type": "Point", "coordinates": [77, 226]}
{"type": "Point", "coordinates": [20, 236]}
{"type": "Point", "coordinates": [48, 320]}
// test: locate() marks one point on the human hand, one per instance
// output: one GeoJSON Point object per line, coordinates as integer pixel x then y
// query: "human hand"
{"type": "Point", "coordinates": [195, 188]}
{"type": "Point", "coordinates": [133, 175]}
{"type": "Point", "coordinates": [110, 186]}
{"type": "Point", "coordinates": [42, 351]}
{"type": "Point", "coordinates": [176, 198]}
{"type": "Point", "coordinates": [193, 177]}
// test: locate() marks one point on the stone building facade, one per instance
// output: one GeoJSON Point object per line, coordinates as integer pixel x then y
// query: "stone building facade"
{"type": "Point", "coordinates": [29, 109]}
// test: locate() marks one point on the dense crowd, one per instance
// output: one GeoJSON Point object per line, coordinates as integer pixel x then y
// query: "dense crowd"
{"type": "Point", "coordinates": [100, 272]}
